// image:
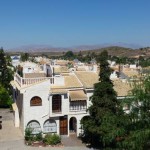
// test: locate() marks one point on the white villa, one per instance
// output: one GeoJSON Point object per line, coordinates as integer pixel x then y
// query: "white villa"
{"type": "Point", "coordinates": [54, 100]}
{"type": "Point", "coordinates": [15, 60]}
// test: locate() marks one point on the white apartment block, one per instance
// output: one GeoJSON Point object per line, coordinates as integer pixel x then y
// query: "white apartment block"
{"type": "Point", "coordinates": [55, 102]}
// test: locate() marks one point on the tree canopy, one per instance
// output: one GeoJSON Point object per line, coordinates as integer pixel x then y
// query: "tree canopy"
{"type": "Point", "coordinates": [139, 116]}
{"type": "Point", "coordinates": [69, 55]}
{"type": "Point", "coordinates": [6, 75]}
{"type": "Point", "coordinates": [24, 56]}
{"type": "Point", "coordinates": [5, 99]}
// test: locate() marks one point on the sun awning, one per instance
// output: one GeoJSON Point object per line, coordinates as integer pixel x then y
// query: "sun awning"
{"type": "Point", "coordinates": [77, 95]}
{"type": "Point", "coordinates": [58, 91]}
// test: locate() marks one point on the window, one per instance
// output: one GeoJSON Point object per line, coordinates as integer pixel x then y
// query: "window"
{"type": "Point", "coordinates": [56, 103]}
{"type": "Point", "coordinates": [36, 101]}
{"type": "Point", "coordinates": [50, 126]}
{"type": "Point", "coordinates": [77, 105]}
{"type": "Point", "coordinates": [34, 126]}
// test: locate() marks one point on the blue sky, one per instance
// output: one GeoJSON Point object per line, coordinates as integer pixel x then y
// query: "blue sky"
{"type": "Point", "coordinates": [65, 23]}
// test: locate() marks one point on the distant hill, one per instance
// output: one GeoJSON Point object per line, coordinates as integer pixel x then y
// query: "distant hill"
{"type": "Point", "coordinates": [116, 51]}
{"type": "Point", "coordinates": [49, 48]}
{"type": "Point", "coordinates": [122, 51]}
{"type": "Point", "coordinates": [112, 50]}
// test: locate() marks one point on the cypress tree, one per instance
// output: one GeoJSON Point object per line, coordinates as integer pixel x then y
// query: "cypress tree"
{"type": "Point", "coordinates": [104, 128]}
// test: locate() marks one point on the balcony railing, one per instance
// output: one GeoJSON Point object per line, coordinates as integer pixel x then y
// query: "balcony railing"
{"type": "Point", "coordinates": [28, 81]}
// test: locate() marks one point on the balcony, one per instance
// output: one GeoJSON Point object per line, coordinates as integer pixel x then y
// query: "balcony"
{"type": "Point", "coordinates": [78, 106]}
{"type": "Point", "coordinates": [29, 81]}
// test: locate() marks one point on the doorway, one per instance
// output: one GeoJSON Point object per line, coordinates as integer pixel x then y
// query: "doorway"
{"type": "Point", "coordinates": [73, 125]}
{"type": "Point", "coordinates": [63, 125]}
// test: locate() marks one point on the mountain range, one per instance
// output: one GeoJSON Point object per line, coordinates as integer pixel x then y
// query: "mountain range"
{"type": "Point", "coordinates": [49, 48]}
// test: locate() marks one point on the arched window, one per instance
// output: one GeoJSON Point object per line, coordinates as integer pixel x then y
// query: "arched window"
{"type": "Point", "coordinates": [50, 126]}
{"type": "Point", "coordinates": [56, 103]}
{"type": "Point", "coordinates": [34, 126]}
{"type": "Point", "coordinates": [36, 101]}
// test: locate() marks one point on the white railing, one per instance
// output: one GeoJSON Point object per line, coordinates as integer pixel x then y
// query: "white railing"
{"type": "Point", "coordinates": [28, 81]}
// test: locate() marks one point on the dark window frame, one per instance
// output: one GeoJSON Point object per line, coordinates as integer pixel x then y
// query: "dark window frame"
{"type": "Point", "coordinates": [56, 103]}
{"type": "Point", "coordinates": [36, 101]}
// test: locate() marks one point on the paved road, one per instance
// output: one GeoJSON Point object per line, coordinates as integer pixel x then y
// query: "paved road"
{"type": "Point", "coordinates": [11, 138]}
{"type": "Point", "coordinates": [72, 141]}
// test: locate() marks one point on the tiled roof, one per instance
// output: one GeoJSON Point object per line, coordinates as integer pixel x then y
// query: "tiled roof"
{"type": "Point", "coordinates": [81, 69]}
{"type": "Point", "coordinates": [71, 81]}
{"type": "Point", "coordinates": [62, 62]}
{"type": "Point", "coordinates": [88, 79]}
{"type": "Point", "coordinates": [131, 73]}
{"type": "Point", "coordinates": [60, 69]}
{"type": "Point", "coordinates": [122, 88]}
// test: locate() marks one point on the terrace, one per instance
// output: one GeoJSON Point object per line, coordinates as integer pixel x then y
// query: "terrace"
{"type": "Point", "coordinates": [57, 80]}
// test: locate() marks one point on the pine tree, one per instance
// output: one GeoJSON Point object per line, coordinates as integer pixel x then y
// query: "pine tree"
{"type": "Point", "coordinates": [104, 128]}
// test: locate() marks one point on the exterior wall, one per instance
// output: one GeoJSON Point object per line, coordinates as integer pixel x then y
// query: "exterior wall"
{"type": "Point", "coordinates": [89, 94]}
{"type": "Point", "coordinates": [14, 91]}
{"type": "Point", "coordinates": [20, 104]}
{"type": "Point", "coordinates": [59, 80]}
{"type": "Point", "coordinates": [38, 113]}
{"type": "Point", "coordinates": [64, 106]}
{"type": "Point", "coordinates": [15, 63]}
{"type": "Point", "coordinates": [65, 111]}
{"type": "Point", "coordinates": [48, 70]}
{"type": "Point", "coordinates": [133, 66]}
{"type": "Point", "coordinates": [113, 75]}
{"type": "Point", "coordinates": [19, 112]}
{"type": "Point", "coordinates": [42, 113]}
{"type": "Point", "coordinates": [16, 119]}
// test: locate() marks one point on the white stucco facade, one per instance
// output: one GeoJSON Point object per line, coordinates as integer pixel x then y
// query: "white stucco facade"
{"type": "Point", "coordinates": [40, 114]}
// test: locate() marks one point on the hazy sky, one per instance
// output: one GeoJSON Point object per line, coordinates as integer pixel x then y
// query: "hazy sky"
{"type": "Point", "coordinates": [63, 23]}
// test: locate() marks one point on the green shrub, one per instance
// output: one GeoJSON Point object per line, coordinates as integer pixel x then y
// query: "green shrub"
{"type": "Point", "coordinates": [5, 99]}
{"type": "Point", "coordinates": [52, 139]}
{"type": "Point", "coordinates": [39, 137]}
{"type": "Point", "coordinates": [29, 142]}
{"type": "Point", "coordinates": [28, 134]}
